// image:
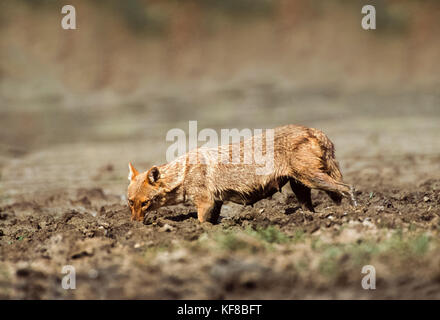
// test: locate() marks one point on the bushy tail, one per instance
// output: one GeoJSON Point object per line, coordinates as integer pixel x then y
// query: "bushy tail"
{"type": "Point", "coordinates": [331, 166]}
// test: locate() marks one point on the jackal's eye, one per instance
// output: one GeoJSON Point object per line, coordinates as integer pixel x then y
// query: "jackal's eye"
{"type": "Point", "coordinates": [131, 203]}
{"type": "Point", "coordinates": [145, 203]}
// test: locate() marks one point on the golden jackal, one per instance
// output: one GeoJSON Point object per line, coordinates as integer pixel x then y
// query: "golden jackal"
{"type": "Point", "coordinates": [305, 157]}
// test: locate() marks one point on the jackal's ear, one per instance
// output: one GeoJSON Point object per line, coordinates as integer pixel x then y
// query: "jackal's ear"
{"type": "Point", "coordinates": [132, 173]}
{"type": "Point", "coordinates": [153, 175]}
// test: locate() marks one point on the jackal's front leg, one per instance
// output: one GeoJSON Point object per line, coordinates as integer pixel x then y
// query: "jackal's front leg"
{"type": "Point", "coordinates": [208, 210]}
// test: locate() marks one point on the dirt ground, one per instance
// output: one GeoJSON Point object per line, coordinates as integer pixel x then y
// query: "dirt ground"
{"type": "Point", "coordinates": [63, 203]}
{"type": "Point", "coordinates": [77, 105]}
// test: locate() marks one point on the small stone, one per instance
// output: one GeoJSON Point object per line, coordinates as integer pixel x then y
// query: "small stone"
{"type": "Point", "coordinates": [137, 245]}
{"type": "Point", "coordinates": [261, 210]}
{"type": "Point", "coordinates": [426, 199]}
{"type": "Point", "coordinates": [93, 274]}
{"type": "Point", "coordinates": [150, 243]}
{"type": "Point", "coordinates": [368, 224]}
{"type": "Point", "coordinates": [104, 225]}
{"type": "Point", "coordinates": [171, 257]}
{"type": "Point", "coordinates": [166, 228]}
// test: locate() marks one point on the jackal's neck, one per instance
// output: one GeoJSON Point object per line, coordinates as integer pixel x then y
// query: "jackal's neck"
{"type": "Point", "coordinates": [173, 175]}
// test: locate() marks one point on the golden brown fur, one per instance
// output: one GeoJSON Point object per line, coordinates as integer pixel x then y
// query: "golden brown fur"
{"type": "Point", "coordinates": [305, 157]}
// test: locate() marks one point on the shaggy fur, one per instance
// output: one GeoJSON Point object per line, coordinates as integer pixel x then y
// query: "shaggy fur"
{"type": "Point", "coordinates": [305, 157]}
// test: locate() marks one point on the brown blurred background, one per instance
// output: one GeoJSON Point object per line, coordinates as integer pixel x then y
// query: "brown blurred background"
{"type": "Point", "coordinates": [77, 105]}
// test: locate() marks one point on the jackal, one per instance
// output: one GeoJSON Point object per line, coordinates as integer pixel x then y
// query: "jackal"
{"type": "Point", "coordinates": [304, 157]}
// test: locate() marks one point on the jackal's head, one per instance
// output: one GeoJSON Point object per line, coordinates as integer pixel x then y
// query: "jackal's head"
{"type": "Point", "coordinates": [146, 192]}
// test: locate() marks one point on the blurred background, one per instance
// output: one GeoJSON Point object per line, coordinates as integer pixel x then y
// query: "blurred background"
{"type": "Point", "coordinates": [77, 105]}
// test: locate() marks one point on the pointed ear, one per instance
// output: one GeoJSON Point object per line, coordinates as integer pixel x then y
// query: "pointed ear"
{"type": "Point", "coordinates": [153, 175]}
{"type": "Point", "coordinates": [132, 173]}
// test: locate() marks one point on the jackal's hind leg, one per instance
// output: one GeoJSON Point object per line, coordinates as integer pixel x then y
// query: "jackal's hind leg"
{"type": "Point", "coordinates": [303, 194]}
{"type": "Point", "coordinates": [335, 196]}
{"type": "Point", "coordinates": [333, 188]}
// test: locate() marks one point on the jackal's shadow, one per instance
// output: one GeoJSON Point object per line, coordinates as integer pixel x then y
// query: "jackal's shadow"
{"type": "Point", "coordinates": [182, 216]}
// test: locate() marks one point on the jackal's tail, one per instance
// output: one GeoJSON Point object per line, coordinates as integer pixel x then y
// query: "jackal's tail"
{"type": "Point", "coordinates": [330, 165]}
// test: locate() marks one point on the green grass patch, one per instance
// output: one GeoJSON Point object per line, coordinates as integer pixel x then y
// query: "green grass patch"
{"type": "Point", "coordinates": [398, 247]}
{"type": "Point", "coordinates": [231, 242]}
{"type": "Point", "coordinates": [251, 239]}
{"type": "Point", "coordinates": [270, 234]}
{"type": "Point", "coordinates": [152, 251]}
